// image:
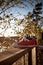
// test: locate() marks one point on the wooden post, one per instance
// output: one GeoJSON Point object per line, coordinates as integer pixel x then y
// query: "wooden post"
{"type": "Point", "coordinates": [34, 56]}
{"type": "Point", "coordinates": [26, 59]}
{"type": "Point", "coordinates": [30, 57]}
{"type": "Point", "coordinates": [23, 60]}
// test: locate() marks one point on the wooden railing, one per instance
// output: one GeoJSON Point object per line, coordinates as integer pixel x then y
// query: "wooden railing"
{"type": "Point", "coordinates": [9, 57]}
{"type": "Point", "coordinates": [16, 55]}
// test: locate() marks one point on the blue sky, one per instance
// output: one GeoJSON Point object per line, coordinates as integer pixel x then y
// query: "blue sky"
{"type": "Point", "coordinates": [18, 11]}
{"type": "Point", "coordinates": [28, 7]}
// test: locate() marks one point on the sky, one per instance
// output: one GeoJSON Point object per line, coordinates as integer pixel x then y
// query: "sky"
{"type": "Point", "coordinates": [18, 11]}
